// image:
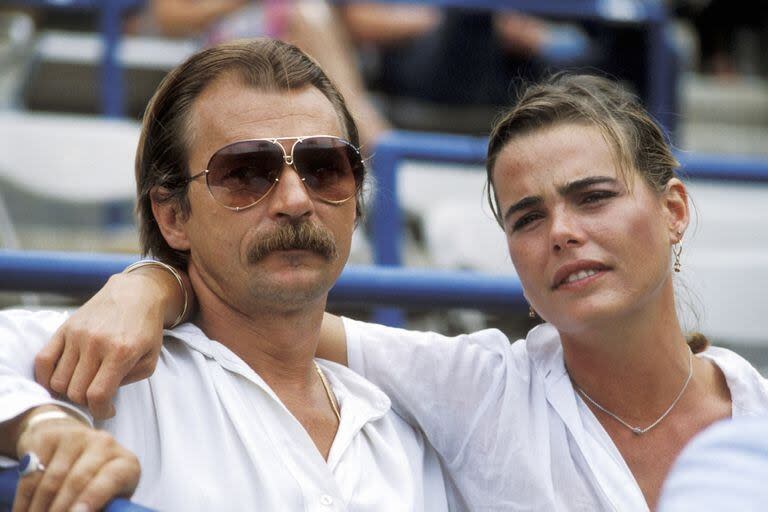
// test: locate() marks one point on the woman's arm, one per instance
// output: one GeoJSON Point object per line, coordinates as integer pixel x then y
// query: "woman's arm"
{"type": "Point", "coordinates": [449, 388]}
{"type": "Point", "coordinates": [387, 24]}
{"type": "Point", "coordinates": [333, 340]}
{"type": "Point", "coordinates": [445, 386]}
{"type": "Point", "coordinates": [182, 18]}
{"type": "Point", "coordinates": [113, 339]}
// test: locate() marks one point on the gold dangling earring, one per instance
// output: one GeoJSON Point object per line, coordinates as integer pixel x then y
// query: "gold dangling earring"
{"type": "Point", "coordinates": [677, 249]}
{"type": "Point", "coordinates": [531, 312]}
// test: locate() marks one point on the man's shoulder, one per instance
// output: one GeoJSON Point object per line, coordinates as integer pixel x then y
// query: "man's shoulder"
{"type": "Point", "coordinates": [39, 316]}
{"type": "Point", "coordinates": [30, 324]}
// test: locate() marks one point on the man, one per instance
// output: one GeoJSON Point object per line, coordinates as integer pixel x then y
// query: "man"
{"type": "Point", "coordinates": [723, 468]}
{"type": "Point", "coordinates": [245, 178]}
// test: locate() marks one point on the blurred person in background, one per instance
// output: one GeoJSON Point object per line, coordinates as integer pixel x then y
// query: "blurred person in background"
{"type": "Point", "coordinates": [722, 26]}
{"type": "Point", "coordinates": [477, 57]}
{"type": "Point", "coordinates": [425, 52]}
{"type": "Point", "coordinates": [410, 50]}
{"type": "Point", "coordinates": [592, 408]}
{"type": "Point", "coordinates": [312, 25]}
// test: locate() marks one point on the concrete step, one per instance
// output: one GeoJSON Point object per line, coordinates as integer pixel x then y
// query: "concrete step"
{"type": "Point", "coordinates": [713, 137]}
{"type": "Point", "coordinates": [741, 101]}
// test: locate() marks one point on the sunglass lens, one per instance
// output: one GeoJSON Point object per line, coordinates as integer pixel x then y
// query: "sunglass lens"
{"type": "Point", "coordinates": [331, 167]}
{"type": "Point", "coordinates": [242, 173]}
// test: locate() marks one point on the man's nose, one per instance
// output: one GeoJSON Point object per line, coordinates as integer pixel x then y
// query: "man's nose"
{"type": "Point", "coordinates": [290, 199]}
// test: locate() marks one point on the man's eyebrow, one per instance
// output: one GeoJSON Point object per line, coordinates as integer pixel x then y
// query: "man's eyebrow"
{"type": "Point", "coordinates": [526, 202]}
{"type": "Point", "coordinates": [578, 185]}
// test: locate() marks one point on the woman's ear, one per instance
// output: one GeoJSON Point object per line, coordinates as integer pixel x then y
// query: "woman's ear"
{"type": "Point", "coordinates": [170, 219]}
{"type": "Point", "coordinates": [677, 209]}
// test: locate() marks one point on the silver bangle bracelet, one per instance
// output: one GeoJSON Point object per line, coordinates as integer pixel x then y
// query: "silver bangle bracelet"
{"type": "Point", "coordinates": [41, 417]}
{"type": "Point", "coordinates": [174, 273]}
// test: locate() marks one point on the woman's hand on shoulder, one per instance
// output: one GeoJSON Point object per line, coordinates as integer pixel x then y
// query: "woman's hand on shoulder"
{"type": "Point", "coordinates": [113, 339]}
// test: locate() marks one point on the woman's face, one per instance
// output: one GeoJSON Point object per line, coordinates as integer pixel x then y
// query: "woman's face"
{"type": "Point", "coordinates": [588, 247]}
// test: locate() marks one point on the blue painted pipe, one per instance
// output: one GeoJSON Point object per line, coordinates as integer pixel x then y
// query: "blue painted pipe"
{"type": "Point", "coordinates": [398, 146]}
{"type": "Point", "coordinates": [83, 274]}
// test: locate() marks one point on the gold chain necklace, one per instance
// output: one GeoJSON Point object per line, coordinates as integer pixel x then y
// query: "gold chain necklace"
{"type": "Point", "coordinates": [638, 430]}
{"type": "Point", "coordinates": [329, 394]}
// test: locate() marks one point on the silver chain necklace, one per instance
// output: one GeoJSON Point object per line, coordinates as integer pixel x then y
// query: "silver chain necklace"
{"type": "Point", "coordinates": [637, 430]}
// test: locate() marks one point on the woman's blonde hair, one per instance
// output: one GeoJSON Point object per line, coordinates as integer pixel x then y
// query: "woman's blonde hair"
{"type": "Point", "coordinates": [638, 141]}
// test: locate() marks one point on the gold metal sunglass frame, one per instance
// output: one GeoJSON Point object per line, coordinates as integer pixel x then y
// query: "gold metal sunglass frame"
{"type": "Point", "coordinates": [288, 159]}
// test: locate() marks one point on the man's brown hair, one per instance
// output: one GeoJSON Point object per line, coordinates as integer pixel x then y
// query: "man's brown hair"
{"type": "Point", "coordinates": [162, 156]}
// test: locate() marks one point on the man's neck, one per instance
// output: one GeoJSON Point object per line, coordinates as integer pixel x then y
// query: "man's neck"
{"type": "Point", "coordinates": [277, 343]}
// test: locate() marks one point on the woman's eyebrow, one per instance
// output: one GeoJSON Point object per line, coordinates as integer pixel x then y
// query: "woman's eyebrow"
{"type": "Point", "coordinates": [579, 185]}
{"type": "Point", "coordinates": [567, 189]}
{"type": "Point", "coordinates": [526, 202]}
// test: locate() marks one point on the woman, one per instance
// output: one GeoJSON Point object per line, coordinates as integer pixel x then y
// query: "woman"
{"type": "Point", "coordinates": [589, 411]}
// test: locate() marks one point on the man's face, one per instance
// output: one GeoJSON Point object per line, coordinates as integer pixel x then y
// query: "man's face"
{"type": "Point", "coordinates": [227, 247]}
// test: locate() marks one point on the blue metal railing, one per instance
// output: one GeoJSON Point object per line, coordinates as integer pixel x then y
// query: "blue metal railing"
{"type": "Point", "coordinates": [385, 217]}
{"type": "Point", "coordinates": [9, 479]}
{"type": "Point", "coordinates": [82, 274]}
{"type": "Point", "coordinates": [397, 147]}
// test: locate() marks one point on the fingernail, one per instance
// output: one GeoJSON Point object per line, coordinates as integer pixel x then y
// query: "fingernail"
{"type": "Point", "coordinates": [80, 507]}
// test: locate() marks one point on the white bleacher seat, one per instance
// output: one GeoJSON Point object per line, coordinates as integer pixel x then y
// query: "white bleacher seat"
{"type": "Point", "coordinates": [66, 73]}
{"type": "Point", "coordinates": [70, 158]}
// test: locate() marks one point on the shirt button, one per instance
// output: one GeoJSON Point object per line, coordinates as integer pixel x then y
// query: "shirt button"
{"type": "Point", "coordinates": [326, 500]}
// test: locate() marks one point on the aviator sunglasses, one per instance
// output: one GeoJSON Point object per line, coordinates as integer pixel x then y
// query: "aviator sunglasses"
{"type": "Point", "coordinates": [243, 173]}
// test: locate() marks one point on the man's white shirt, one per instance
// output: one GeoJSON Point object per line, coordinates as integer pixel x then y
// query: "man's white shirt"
{"type": "Point", "coordinates": [211, 435]}
{"type": "Point", "coordinates": [510, 429]}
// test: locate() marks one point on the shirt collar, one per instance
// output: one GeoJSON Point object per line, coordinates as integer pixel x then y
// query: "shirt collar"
{"type": "Point", "coordinates": [749, 390]}
{"type": "Point", "coordinates": [353, 392]}
{"type": "Point", "coordinates": [546, 354]}
{"type": "Point", "coordinates": [546, 351]}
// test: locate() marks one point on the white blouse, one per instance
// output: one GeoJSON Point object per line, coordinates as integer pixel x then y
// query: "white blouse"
{"type": "Point", "coordinates": [505, 419]}
{"type": "Point", "coordinates": [211, 435]}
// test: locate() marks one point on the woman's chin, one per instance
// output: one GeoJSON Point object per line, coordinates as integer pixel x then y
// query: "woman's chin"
{"type": "Point", "coordinates": [587, 314]}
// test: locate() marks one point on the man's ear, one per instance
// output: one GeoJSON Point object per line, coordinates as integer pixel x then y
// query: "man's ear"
{"type": "Point", "coordinates": [170, 219]}
{"type": "Point", "coordinates": [677, 209]}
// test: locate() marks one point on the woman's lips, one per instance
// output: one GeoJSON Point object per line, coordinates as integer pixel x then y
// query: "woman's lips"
{"type": "Point", "coordinates": [577, 273]}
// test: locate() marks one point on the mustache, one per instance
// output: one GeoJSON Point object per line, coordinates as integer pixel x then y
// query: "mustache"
{"type": "Point", "coordinates": [286, 237]}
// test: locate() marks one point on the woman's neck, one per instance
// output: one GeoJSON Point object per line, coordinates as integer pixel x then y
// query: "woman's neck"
{"type": "Point", "coordinates": [633, 366]}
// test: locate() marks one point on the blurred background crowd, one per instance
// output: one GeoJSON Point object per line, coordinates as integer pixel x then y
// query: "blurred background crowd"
{"type": "Point", "coordinates": [69, 115]}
